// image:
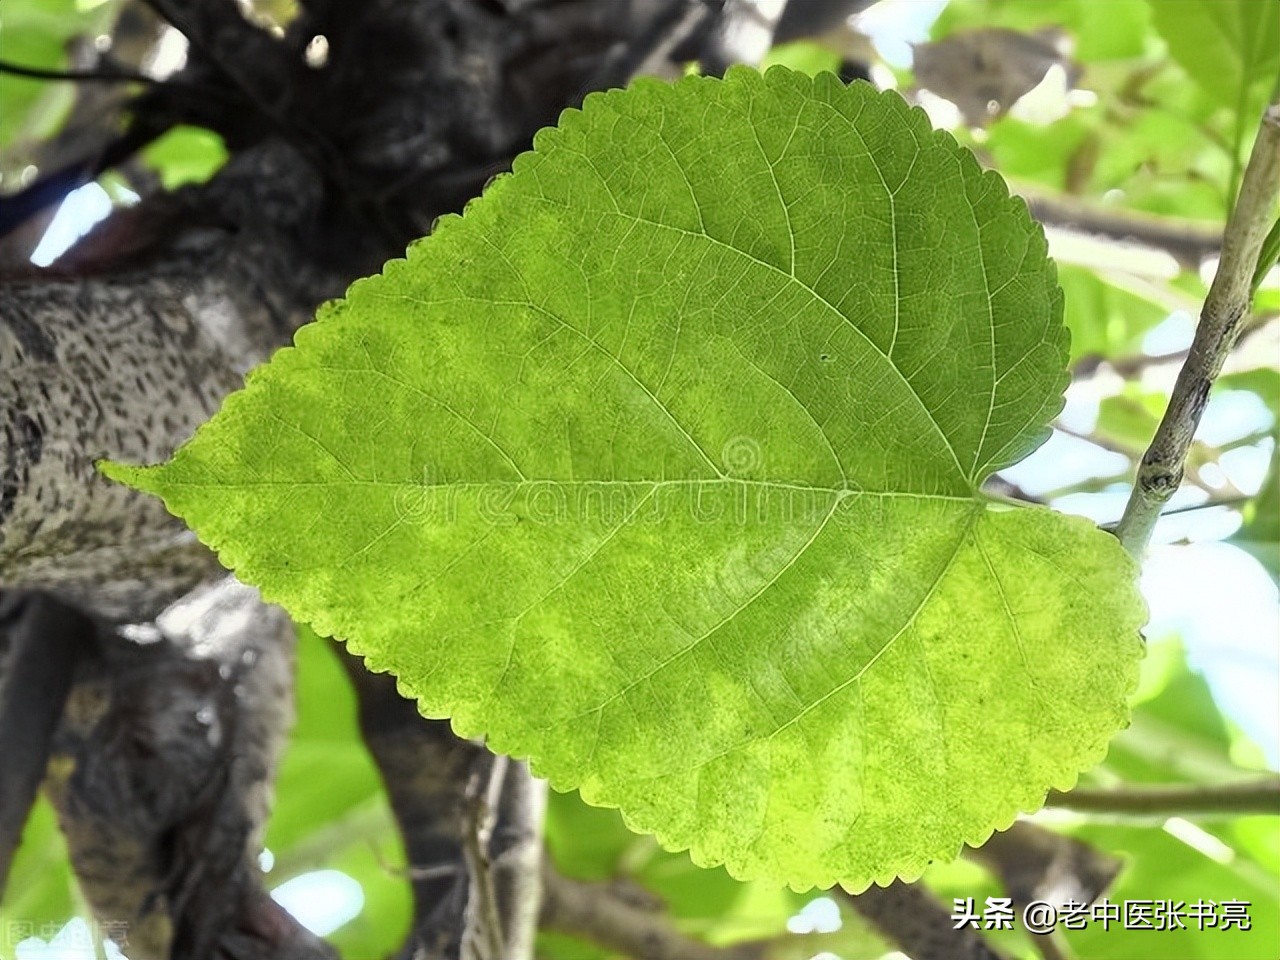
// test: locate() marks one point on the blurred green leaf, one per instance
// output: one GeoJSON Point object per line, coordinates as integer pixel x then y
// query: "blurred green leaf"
{"type": "Point", "coordinates": [1130, 418]}
{"type": "Point", "coordinates": [593, 843]}
{"type": "Point", "coordinates": [186, 155]}
{"type": "Point", "coordinates": [1104, 320]}
{"type": "Point", "coordinates": [1180, 736]}
{"type": "Point", "coordinates": [1037, 153]}
{"type": "Point", "coordinates": [383, 923]}
{"type": "Point", "coordinates": [1267, 257]}
{"type": "Point", "coordinates": [804, 56]}
{"type": "Point", "coordinates": [41, 889]}
{"type": "Point", "coordinates": [35, 33]}
{"type": "Point", "coordinates": [1231, 48]}
{"type": "Point", "coordinates": [330, 811]}
{"type": "Point", "coordinates": [1263, 381]}
{"type": "Point", "coordinates": [558, 946]}
{"type": "Point", "coordinates": [1183, 710]}
{"type": "Point", "coordinates": [1260, 534]}
{"type": "Point", "coordinates": [326, 771]}
{"type": "Point", "coordinates": [1163, 867]}
{"type": "Point", "coordinates": [1100, 30]}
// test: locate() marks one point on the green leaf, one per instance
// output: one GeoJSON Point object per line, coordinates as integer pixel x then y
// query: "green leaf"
{"type": "Point", "coordinates": [324, 747]}
{"type": "Point", "coordinates": [660, 467]}
{"type": "Point", "coordinates": [186, 155]}
{"type": "Point", "coordinates": [1180, 736]}
{"type": "Point", "coordinates": [1164, 867]}
{"type": "Point", "coordinates": [1263, 381]}
{"type": "Point", "coordinates": [590, 843]}
{"type": "Point", "coordinates": [1099, 31]}
{"type": "Point", "coordinates": [41, 890]}
{"type": "Point", "coordinates": [804, 56]}
{"type": "Point", "coordinates": [1105, 320]}
{"type": "Point", "coordinates": [330, 810]}
{"type": "Point", "coordinates": [1260, 534]}
{"type": "Point", "coordinates": [35, 33]}
{"type": "Point", "coordinates": [1229, 47]}
{"type": "Point", "coordinates": [1177, 733]}
{"type": "Point", "coordinates": [1267, 257]}
{"type": "Point", "coordinates": [1130, 418]}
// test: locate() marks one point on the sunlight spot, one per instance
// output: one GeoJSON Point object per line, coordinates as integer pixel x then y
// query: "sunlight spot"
{"type": "Point", "coordinates": [1199, 840]}
{"type": "Point", "coordinates": [817, 916]}
{"type": "Point", "coordinates": [80, 211]}
{"type": "Point", "coordinates": [317, 53]}
{"type": "Point", "coordinates": [322, 901]}
{"type": "Point", "coordinates": [168, 56]}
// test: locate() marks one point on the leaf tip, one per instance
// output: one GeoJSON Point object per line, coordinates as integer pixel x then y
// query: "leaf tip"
{"type": "Point", "coordinates": [138, 476]}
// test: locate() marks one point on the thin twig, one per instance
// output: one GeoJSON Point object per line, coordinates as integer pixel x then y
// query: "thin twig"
{"type": "Point", "coordinates": [1260, 795]}
{"type": "Point", "coordinates": [515, 855]}
{"type": "Point", "coordinates": [1226, 502]}
{"type": "Point", "coordinates": [484, 936]}
{"type": "Point", "coordinates": [1225, 309]}
{"type": "Point", "coordinates": [76, 76]}
{"type": "Point", "coordinates": [1187, 242]}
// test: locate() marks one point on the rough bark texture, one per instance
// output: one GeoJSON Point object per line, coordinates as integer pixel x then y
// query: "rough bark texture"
{"type": "Point", "coordinates": [125, 366]}
{"type": "Point", "coordinates": [909, 916]}
{"type": "Point", "coordinates": [161, 774]}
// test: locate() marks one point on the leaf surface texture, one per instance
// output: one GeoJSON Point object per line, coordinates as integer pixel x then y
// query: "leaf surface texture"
{"type": "Point", "coordinates": [660, 467]}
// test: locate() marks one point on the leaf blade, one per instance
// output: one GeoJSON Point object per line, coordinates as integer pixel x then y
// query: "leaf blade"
{"type": "Point", "coordinates": [649, 460]}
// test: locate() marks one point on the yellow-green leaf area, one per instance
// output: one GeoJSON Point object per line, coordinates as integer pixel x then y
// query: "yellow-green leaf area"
{"type": "Point", "coordinates": [660, 467]}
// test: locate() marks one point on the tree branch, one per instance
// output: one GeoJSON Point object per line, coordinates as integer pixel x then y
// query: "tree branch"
{"type": "Point", "coordinates": [1261, 795]}
{"type": "Point", "coordinates": [483, 935]}
{"type": "Point", "coordinates": [908, 915]}
{"type": "Point", "coordinates": [515, 853]}
{"type": "Point", "coordinates": [127, 365]}
{"type": "Point", "coordinates": [161, 776]}
{"type": "Point", "coordinates": [1188, 242]}
{"type": "Point", "coordinates": [1161, 470]}
{"type": "Point", "coordinates": [427, 771]}
{"type": "Point", "coordinates": [594, 912]}
{"type": "Point", "coordinates": [76, 76]}
{"type": "Point", "coordinates": [45, 646]}
{"type": "Point", "coordinates": [1033, 863]}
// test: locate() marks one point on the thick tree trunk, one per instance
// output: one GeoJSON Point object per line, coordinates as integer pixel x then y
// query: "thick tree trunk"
{"type": "Point", "coordinates": [125, 366]}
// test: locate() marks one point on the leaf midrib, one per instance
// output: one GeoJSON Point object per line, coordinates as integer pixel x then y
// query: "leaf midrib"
{"type": "Point", "coordinates": [139, 477]}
